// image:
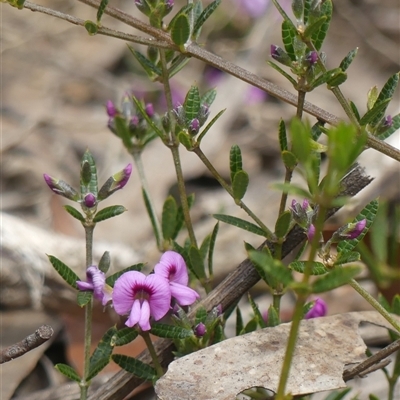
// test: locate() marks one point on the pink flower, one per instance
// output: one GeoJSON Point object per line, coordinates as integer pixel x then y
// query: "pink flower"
{"type": "Point", "coordinates": [96, 282]}
{"type": "Point", "coordinates": [141, 297]}
{"type": "Point", "coordinates": [319, 309]}
{"type": "Point", "coordinates": [172, 267]}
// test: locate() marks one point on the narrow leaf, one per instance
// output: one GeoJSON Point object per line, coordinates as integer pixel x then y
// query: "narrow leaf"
{"type": "Point", "coordinates": [377, 110]}
{"type": "Point", "coordinates": [348, 59]}
{"type": "Point", "coordinates": [100, 11]}
{"type": "Point", "coordinates": [240, 184]}
{"type": "Point", "coordinates": [288, 35]}
{"type": "Point", "coordinates": [273, 317]}
{"type": "Point", "coordinates": [345, 258]}
{"type": "Point", "coordinates": [201, 315]}
{"type": "Point", "coordinates": [319, 36]}
{"type": "Point", "coordinates": [64, 271]}
{"type": "Point", "coordinates": [112, 278]}
{"type": "Point", "coordinates": [240, 223]}
{"type": "Point", "coordinates": [389, 131]}
{"type": "Point", "coordinates": [207, 12]}
{"type": "Point", "coordinates": [355, 111]}
{"type": "Point", "coordinates": [282, 136]}
{"type": "Point", "coordinates": [196, 262]}
{"type": "Point", "coordinates": [239, 321]}
{"type": "Point", "coordinates": [83, 297]}
{"type": "Point", "coordinates": [283, 73]}
{"type": "Point", "coordinates": [256, 312]}
{"type": "Point", "coordinates": [170, 331]}
{"type": "Point", "coordinates": [208, 98]}
{"type": "Point", "coordinates": [124, 336]}
{"type": "Point", "coordinates": [192, 103]}
{"type": "Point", "coordinates": [152, 216]}
{"type": "Point", "coordinates": [205, 246]}
{"type": "Point", "coordinates": [105, 261]}
{"type": "Point", "coordinates": [180, 31]}
{"type": "Point", "coordinates": [336, 278]}
{"type": "Point", "coordinates": [180, 219]}
{"type": "Point", "coordinates": [317, 267]}
{"type": "Point", "coordinates": [282, 225]}
{"type": "Point", "coordinates": [315, 27]}
{"type": "Point", "coordinates": [235, 160]}
{"type": "Point", "coordinates": [209, 125]}
{"type": "Point", "coordinates": [75, 213]}
{"type": "Point", "coordinates": [211, 249]}
{"type": "Point", "coordinates": [135, 367]}
{"type": "Point", "coordinates": [169, 217]}
{"type": "Point", "coordinates": [184, 10]}
{"type": "Point", "coordinates": [91, 185]}
{"type": "Point", "coordinates": [68, 371]}
{"type": "Point", "coordinates": [150, 68]}
{"type": "Point", "coordinates": [108, 212]}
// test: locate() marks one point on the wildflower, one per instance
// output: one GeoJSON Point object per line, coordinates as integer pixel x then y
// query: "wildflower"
{"type": "Point", "coordinates": [60, 187]}
{"type": "Point", "coordinates": [141, 297]}
{"type": "Point", "coordinates": [96, 282]}
{"type": "Point", "coordinates": [278, 54]}
{"type": "Point", "coordinates": [200, 330]}
{"type": "Point", "coordinates": [349, 231]}
{"type": "Point", "coordinates": [172, 267]}
{"type": "Point", "coordinates": [115, 182]}
{"type": "Point", "coordinates": [89, 200]}
{"type": "Point", "coordinates": [311, 233]}
{"type": "Point", "coordinates": [319, 309]}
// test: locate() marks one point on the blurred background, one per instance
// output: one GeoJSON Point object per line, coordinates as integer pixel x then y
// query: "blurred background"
{"type": "Point", "coordinates": [55, 82]}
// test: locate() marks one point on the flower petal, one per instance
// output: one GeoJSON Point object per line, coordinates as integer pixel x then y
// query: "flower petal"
{"type": "Point", "coordinates": [160, 298]}
{"type": "Point", "coordinates": [172, 266]}
{"type": "Point", "coordinates": [134, 316]}
{"type": "Point", "coordinates": [185, 296]}
{"type": "Point", "coordinates": [82, 285]}
{"type": "Point", "coordinates": [144, 320]}
{"type": "Point", "coordinates": [125, 289]}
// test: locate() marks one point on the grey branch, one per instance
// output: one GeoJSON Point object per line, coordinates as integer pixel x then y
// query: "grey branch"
{"type": "Point", "coordinates": [40, 336]}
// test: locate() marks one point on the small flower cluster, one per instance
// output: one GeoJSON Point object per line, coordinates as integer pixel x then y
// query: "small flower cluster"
{"type": "Point", "coordinates": [142, 297]}
{"type": "Point", "coordinates": [192, 125]}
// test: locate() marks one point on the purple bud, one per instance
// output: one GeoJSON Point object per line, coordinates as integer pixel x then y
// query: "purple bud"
{"type": "Point", "coordinates": [194, 127]}
{"type": "Point", "coordinates": [305, 205]}
{"type": "Point", "coordinates": [319, 309]}
{"type": "Point", "coordinates": [111, 110]}
{"type": "Point", "coordinates": [311, 233]}
{"type": "Point", "coordinates": [51, 183]}
{"type": "Point", "coordinates": [124, 176]}
{"type": "Point", "coordinates": [203, 113]}
{"type": "Point", "coordinates": [143, 7]}
{"type": "Point", "coordinates": [274, 51]}
{"type": "Point", "coordinates": [62, 188]}
{"type": "Point", "coordinates": [89, 200]}
{"type": "Point", "coordinates": [358, 228]}
{"type": "Point", "coordinates": [388, 122]}
{"type": "Point", "coordinates": [312, 58]}
{"type": "Point", "coordinates": [280, 55]}
{"type": "Point", "coordinates": [168, 6]}
{"type": "Point", "coordinates": [134, 123]}
{"type": "Point", "coordinates": [200, 330]}
{"type": "Point", "coordinates": [149, 109]}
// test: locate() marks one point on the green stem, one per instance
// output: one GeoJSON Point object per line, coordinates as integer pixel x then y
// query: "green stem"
{"type": "Point", "coordinates": [374, 303]}
{"type": "Point", "coordinates": [228, 189]}
{"type": "Point", "coordinates": [147, 339]}
{"type": "Point", "coordinates": [137, 157]}
{"type": "Point", "coordinates": [84, 385]}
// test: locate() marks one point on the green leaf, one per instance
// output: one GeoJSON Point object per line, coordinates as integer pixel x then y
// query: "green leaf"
{"type": "Point", "coordinates": [177, 65]}
{"type": "Point", "coordinates": [239, 322]}
{"type": "Point", "coordinates": [100, 11]}
{"type": "Point", "coordinates": [211, 249]}
{"type": "Point", "coordinates": [208, 97]}
{"type": "Point", "coordinates": [185, 139]}
{"type": "Point", "coordinates": [315, 27]}
{"type": "Point", "coordinates": [317, 267]}
{"type": "Point", "coordinates": [207, 12]}
{"type": "Point", "coordinates": [240, 223]}
{"type": "Point", "coordinates": [282, 225]}
{"type": "Point", "coordinates": [288, 35]}
{"type": "Point", "coordinates": [108, 212]}
{"type": "Point", "coordinates": [192, 103]}
{"type": "Point", "coordinates": [348, 59]}
{"type": "Point", "coordinates": [318, 37]}
{"type": "Point", "coordinates": [201, 316]}
{"type": "Point", "coordinates": [337, 79]}
{"type": "Point", "coordinates": [239, 184]}
{"type": "Point", "coordinates": [196, 262]}
{"type": "Point", "coordinates": [376, 111]}
{"type": "Point", "coordinates": [152, 217]}
{"type": "Point", "coordinates": [369, 212]}
{"type": "Point", "coordinates": [273, 317]}
{"type": "Point", "coordinates": [385, 95]}
{"type": "Point", "coordinates": [373, 397]}
{"type": "Point", "coordinates": [292, 189]}
{"type": "Point", "coordinates": [339, 395]}
{"type": "Point", "coordinates": [68, 371]}
{"type": "Point", "coordinates": [289, 160]}
{"type": "Point", "coordinates": [91, 27]}
{"type": "Point", "coordinates": [150, 68]}
{"type": "Point", "coordinates": [336, 278]}
{"type": "Point", "coordinates": [205, 246]}
{"type": "Point", "coordinates": [282, 136]}
{"type": "Point", "coordinates": [180, 31]}
{"type": "Point", "coordinates": [300, 135]}
{"type": "Point", "coordinates": [170, 331]}
{"type": "Point", "coordinates": [235, 160]}
{"type": "Point", "coordinates": [251, 326]}
{"type": "Point", "coordinates": [325, 77]}
{"type": "Point", "coordinates": [102, 354]}
{"type": "Point", "coordinates": [345, 258]}
{"type": "Point", "coordinates": [89, 186]}
{"type": "Point", "coordinates": [384, 303]}
{"type": "Point", "coordinates": [169, 215]}
{"type": "Point", "coordinates": [122, 131]}
{"type": "Point", "coordinates": [355, 111]}
{"type": "Point", "coordinates": [75, 213]}
{"type": "Point", "coordinates": [83, 297]}
{"type": "Point", "coordinates": [282, 72]}
{"type": "Point", "coordinates": [389, 131]}
{"type": "Point", "coordinates": [124, 336]}
{"type": "Point", "coordinates": [256, 312]}
{"type": "Point", "coordinates": [396, 304]}
{"type": "Point", "coordinates": [64, 271]}
{"type": "Point", "coordinates": [112, 278]}
{"type": "Point", "coordinates": [180, 219]}
{"type": "Point", "coordinates": [104, 263]}
{"type": "Point", "coordinates": [209, 125]}
{"type": "Point", "coordinates": [135, 367]}
{"type": "Point", "coordinates": [372, 96]}
{"type": "Point", "coordinates": [185, 10]}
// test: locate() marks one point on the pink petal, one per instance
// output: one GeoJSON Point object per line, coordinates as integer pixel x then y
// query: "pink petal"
{"type": "Point", "coordinates": [173, 267]}
{"type": "Point", "coordinates": [84, 285]}
{"type": "Point", "coordinates": [144, 322]}
{"type": "Point", "coordinates": [185, 296]}
{"type": "Point", "coordinates": [125, 289]}
{"type": "Point", "coordinates": [160, 298]}
{"type": "Point", "coordinates": [134, 316]}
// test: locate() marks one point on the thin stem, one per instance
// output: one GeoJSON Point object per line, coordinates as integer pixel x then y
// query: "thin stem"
{"type": "Point", "coordinates": [147, 339]}
{"type": "Point", "coordinates": [137, 157]}
{"type": "Point", "coordinates": [284, 197]}
{"type": "Point", "coordinates": [228, 189]}
{"type": "Point", "coordinates": [374, 303]}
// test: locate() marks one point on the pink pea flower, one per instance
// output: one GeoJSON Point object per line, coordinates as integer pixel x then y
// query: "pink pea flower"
{"type": "Point", "coordinates": [319, 309]}
{"type": "Point", "coordinates": [141, 297]}
{"type": "Point", "coordinates": [172, 267]}
{"type": "Point", "coordinates": [96, 282]}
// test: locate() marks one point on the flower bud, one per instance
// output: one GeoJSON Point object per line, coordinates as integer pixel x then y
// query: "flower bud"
{"type": "Point", "coordinates": [349, 231]}
{"type": "Point", "coordinates": [180, 115]}
{"type": "Point", "coordinates": [319, 309]}
{"type": "Point", "coordinates": [89, 200]}
{"type": "Point", "coordinates": [149, 108]}
{"type": "Point", "coordinates": [111, 109]}
{"type": "Point", "coordinates": [194, 127]}
{"type": "Point", "coordinates": [312, 58]}
{"type": "Point", "coordinates": [114, 183]}
{"type": "Point", "coordinates": [60, 187]}
{"type": "Point", "coordinates": [143, 7]}
{"type": "Point", "coordinates": [200, 330]}
{"type": "Point", "coordinates": [203, 114]}
{"type": "Point", "coordinates": [278, 54]}
{"type": "Point", "coordinates": [311, 233]}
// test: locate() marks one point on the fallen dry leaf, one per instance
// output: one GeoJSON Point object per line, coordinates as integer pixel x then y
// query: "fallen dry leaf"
{"type": "Point", "coordinates": [220, 372]}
